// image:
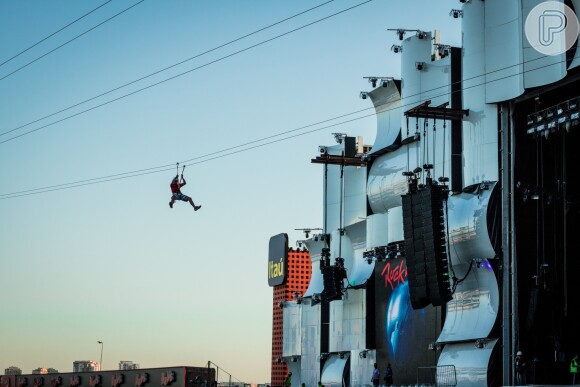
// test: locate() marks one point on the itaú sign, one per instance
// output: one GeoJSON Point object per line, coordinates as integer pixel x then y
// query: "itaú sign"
{"type": "Point", "coordinates": [278, 260]}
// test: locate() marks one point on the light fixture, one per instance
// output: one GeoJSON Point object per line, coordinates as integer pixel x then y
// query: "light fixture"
{"type": "Point", "coordinates": [420, 65]}
{"type": "Point", "coordinates": [323, 356]}
{"type": "Point", "coordinates": [456, 13]}
{"type": "Point", "coordinates": [396, 49]}
{"type": "Point", "coordinates": [421, 34]}
{"type": "Point", "coordinates": [401, 34]}
{"type": "Point", "coordinates": [281, 304]}
{"type": "Point", "coordinates": [294, 359]}
{"type": "Point", "coordinates": [341, 355]}
{"type": "Point", "coordinates": [480, 343]}
{"type": "Point", "coordinates": [384, 83]}
{"type": "Point", "coordinates": [315, 299]}
{"type": "Point", "coordinates": [434, 346]}
{"type": "Point", "coordinates": [363, 94]}
{"type": "Point", "coordinates": [363, 354]}
{"type": "Point", "coordinates": [339, 137]}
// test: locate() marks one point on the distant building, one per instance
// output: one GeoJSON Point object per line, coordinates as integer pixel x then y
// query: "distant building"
{"type": "Point", "coordinates": [128, 365]}
{"type": "Point", "coordinates": [39, 371]}
{"type": "Point", "coordinates": [86, 366]}
{"type": "Point", "coordinates": [52, 371]}
{"type": "Point", "coordinates": [12, 370]}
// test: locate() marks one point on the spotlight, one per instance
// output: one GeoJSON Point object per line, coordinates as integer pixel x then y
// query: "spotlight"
{"type": "Point", "coordinates": [363, 94]}
{"type": "Point", "coordinates": [419, 65]}
{"type": "Point", "coordinates": [456, 13]}
{"type": "Point", "coordinates": [363, 354]}
{"type": "Point", "coordinates": [323, 356]}
{"type": "Point", "coordinates": [373, 82]}
{"type": "Point", "coordinates": [396, 49]}
{"type": "Point", "coordinates": [401, 34]}
{"type": "Point", "coordinates": [322, 150]}
{"type": "Point", "coordinates": [417, 170]}
{"type": "Point", "coordinates": [294, 359]}
{"type": "Point", "coordinates": [341, 355]}
{"type": "Point", "coordinates": [384, 83]}
{"type": "Point", "coordinates": [278, 360]}
{"type": "Point", "coordinates": [421, 34]}
{"type": "Point", "coordinates": [281, 304]}
{"type": "Point", "coordinates": [339, 137]}
{"type": "Point", "coordinates": [480, 343]}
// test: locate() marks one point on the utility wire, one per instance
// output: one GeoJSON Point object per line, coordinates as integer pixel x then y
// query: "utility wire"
{"type": "Point", "coordinates": [54, 33]}
{"type": "Point", "coordinates": [165, 69]}
{"type": "Point", "coordinates": [67, 42]}
{"type": "Point", "coordinates": [207, 157]}
{"type": "Point", "coordinates": [186, 72]}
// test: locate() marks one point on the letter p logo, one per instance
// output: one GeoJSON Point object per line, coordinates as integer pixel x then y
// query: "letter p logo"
{"type": "Point", "coordinates": [551, 28]}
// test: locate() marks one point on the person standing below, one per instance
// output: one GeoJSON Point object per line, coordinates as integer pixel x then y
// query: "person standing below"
{"type": "Point", "coordinates": [288, 381]}
{"type": "Point", "coordinates": [520, 366]}
{"type": "Point", "coordinates": [574, 368]}
{"type": "Point", "coordinates": [389, 375]}
{"type": "Point", "coordinates": [376, 377]}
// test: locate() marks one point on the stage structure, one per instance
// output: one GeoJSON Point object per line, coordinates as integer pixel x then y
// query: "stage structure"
{"type": "Point", "coordinates": [446, 247]}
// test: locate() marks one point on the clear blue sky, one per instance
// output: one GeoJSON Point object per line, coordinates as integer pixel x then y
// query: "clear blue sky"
{"type": "Point", "coordinates": [111, 261]}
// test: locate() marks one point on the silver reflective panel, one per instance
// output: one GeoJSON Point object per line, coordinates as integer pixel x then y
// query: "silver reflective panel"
{"type": "Point", "coordinates": [310, 360]}
{"type": "Point", "coordinates": [470, 363]}
{"type": "Point", "coordinates": [467, 225]}
{"type": "Point", "coordinates": [358, 270]}
{"type": "Point", "coordinates": [386, 182]}
{"type": "Point", "coordinates": [395, 227]}
{"type": "Point", "coordinates": [473, 310]}
{"type": "Point", "coordinates": [387, 101]}
{"type": "Point", "coordinates": [347, 321]}
{"type": "Point", "coordinates": [377, 233]}
{"type": "Point", "coordinates": [291, 331]}
{"type": "Point", "coordinates": [540, 69]}
{"type": "Point", "coordinates": [333, 370]}
{"type": "Point", "coordinates": [316, 284]}
{"type": "Point", "coordinates": [503, 48]}
{"type": "Point", "coordinates": [361, 366]}
{"type": "Point", "coordinates": [480, 141]}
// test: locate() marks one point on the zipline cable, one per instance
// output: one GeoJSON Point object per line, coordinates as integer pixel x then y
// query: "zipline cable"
{"type": "Point", "coordinates": [164, 69]}
{"type": "Point", "coordinates": [54, 33]}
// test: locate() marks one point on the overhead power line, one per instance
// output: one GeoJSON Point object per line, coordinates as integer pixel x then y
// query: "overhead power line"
{"type": "Point", "coordinates": [182, 74]}
{"type": "Point", "coordinates": [235, 149]}
{"type": "Point", "coordinates": [54, 33]}
{"type": "Point", "coordinates": [166, 68]}
{"type": "Point", "coordinates": [73, 39]}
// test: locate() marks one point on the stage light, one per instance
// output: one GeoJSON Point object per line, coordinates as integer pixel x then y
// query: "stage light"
{"type": "Point", "coordinates": [421, 34]}
{"type": "Point", "coordinates": [417, 170]}
{"type": "Point", "coordinates": [420, 65]}
{"type": "Point", "coordinates": [401, 34]}
{"type": "Point", "coordinates": [339, 137]}
{"type": "Point", "coordinates": [363, 354]}
{"type": "Point", "coordinates": [456, 13]}
{"type": "Point", "coordinates": [385, 83]}
{"type": "Point", "coordinates": [363, 94]}
{"type": "Point", "coordinates": [396, 49]}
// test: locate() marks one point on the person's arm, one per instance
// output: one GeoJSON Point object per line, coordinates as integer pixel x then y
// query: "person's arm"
{"type": "Point", "coordinates": [183, 182]}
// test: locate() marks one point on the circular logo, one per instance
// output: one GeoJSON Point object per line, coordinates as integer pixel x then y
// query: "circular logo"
{"type": "Point", "coordinates": [552, 28]}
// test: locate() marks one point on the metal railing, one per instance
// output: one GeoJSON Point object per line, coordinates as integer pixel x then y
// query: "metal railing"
{"type": "Point", "coordinates": [443, 375]}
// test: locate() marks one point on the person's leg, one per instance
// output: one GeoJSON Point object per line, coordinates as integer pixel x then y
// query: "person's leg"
{"type": "Point", "coordinates": [171, 201]}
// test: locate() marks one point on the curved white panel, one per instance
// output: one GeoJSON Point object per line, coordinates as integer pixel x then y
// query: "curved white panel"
{"type": "Point", "coordinates": [470, 363]}
{"type": "Point", "coordinates": [414, 50]}
{"type": "Point", "coordinates": [540, 69]}
{"type": "Point", "coordinates": [503, 48]}
{"type": "Point", "coordinates": [351, 247]}
{"type": "Point", "coordinates": [387, 101]}
{"type": "Point", "coordinates": [316, 284]}
{"type": "Point", "coordinates": [333, 370]}
{"type": "Point", "coordinates": [473, 310]}
{"type": "Point", "coordinates": [467, 225]}
{"type": "Point", "coordinates": [395, 227]}
{"type": "Point", "coordinates": [377, 232]}
{"type": "Point", "coordinates": [291, 332]}
{"type": "Point", "coordinates": [355, 195]}
{"type": "Point", "coordinates": [386, 182]}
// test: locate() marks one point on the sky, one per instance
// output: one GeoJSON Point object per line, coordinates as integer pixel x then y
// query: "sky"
{"type": "Point", "coordinates": [84, 100]}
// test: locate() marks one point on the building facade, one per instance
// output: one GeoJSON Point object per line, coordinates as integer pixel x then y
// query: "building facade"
{"type": "Point", "coordinates": [86, 366]}
{"type": "Point", "coordinates": [296, 272]}
{"type": "Point", "coordinates": [128, 365]}
{"type": "Point", "coordinates": [12, 370]}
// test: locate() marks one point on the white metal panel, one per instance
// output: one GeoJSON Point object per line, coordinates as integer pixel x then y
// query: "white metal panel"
{"type": "Point", "coordinates": [310, 360]}
{"type": "Point", "coordinates": [377, 234]}
{"type": "Point", "coordinates": [387, 102]}
{"type": "Point", "coordinates": [336, 320]}
{"type": "Point", "coordinates": [355, 195]}
{"type": "Point", "coordinates": [358, 271]}
{"type": "Point", "coordinates": [332, 191]}
{"type": "Point", "coordinates": [473, 63]}
{"type": "Point", "coordinates": [361, 368]}
{"type": "Point", "coordinates": [316, 284]}
{"type": "Point", "coordinates": [467, 226]}
{"type": "Point", "coordinates": [414, 50]}
{"type": "Point", "coordinates": [291, 332]}
{"type": "Point", "coordinates": [470, 363]}
{"type": "Point", "coordinates": [473, 310]}
{"type": "Point", "coordinates": [540, 69]}
{"type": "Point", "coordinates": [294, 366]}
{"type": "Point", "coordinates": [395, 227]}
{"type": "Point", "coordinates": [354, 319]}
{"type": "Point", "coordinates": [333, 370]}
{"type": "Point", "coordinates": [503, 48]}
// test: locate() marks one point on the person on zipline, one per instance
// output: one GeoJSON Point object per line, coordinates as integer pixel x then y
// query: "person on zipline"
{"type": "Point", "coordinates": [176, 192]}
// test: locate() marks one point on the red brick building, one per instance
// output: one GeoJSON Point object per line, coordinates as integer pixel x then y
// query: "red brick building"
{"type": "Point", "coordinates": [299, 271]}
